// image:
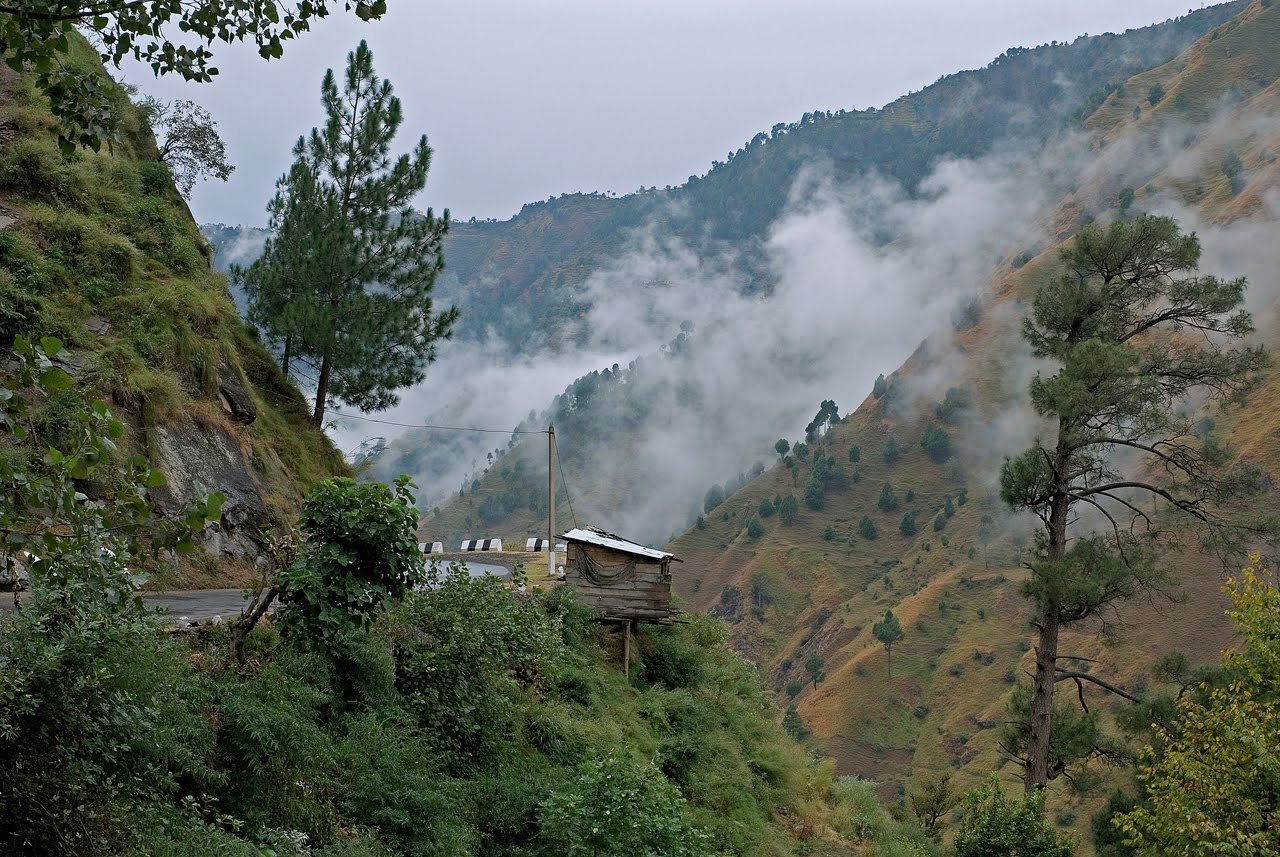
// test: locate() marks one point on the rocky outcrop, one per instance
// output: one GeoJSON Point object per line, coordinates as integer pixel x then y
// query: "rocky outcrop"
{"type": "Point", "coordinates": [192, 453]}
{"type": "Point", "coordinates": [233, 393]}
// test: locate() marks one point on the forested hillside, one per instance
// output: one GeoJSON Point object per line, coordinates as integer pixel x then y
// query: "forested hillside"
{"type": "Point", "coordinates": [914, 522]}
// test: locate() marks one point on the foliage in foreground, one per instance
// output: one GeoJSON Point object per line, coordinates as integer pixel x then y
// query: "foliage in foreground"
{"type": "Point", "coordinates": [1212, 785]}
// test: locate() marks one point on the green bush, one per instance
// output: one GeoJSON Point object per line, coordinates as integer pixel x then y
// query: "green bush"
{"type": "Point", "coordinates": [996, 825]}
{"type": "Point", "coordinates": [618, 807]}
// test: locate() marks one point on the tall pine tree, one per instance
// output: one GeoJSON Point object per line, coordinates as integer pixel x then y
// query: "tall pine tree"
{"type": "Point", "coordinates": [344, 285]}
{"type": "Point", "coordinates": [1137, 336]}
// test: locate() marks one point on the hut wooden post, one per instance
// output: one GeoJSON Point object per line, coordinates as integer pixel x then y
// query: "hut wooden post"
{"type": "Point", "coordinates": [626, 650]}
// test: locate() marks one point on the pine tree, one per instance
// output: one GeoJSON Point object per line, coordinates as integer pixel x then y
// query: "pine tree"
{"type": "Point", "coordinates": [888, 631]}
{"type": "Point", "coordinates": [1116, 323]}
{"type": "Point", "coordinates": [345, 283]}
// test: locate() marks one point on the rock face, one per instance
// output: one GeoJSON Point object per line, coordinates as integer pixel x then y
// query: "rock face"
{"type": "Point", "coordinates": [234, 395]}
{"type": "Point", "coordinates": [191, 453]}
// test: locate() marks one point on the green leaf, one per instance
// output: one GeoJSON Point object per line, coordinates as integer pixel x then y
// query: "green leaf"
{"type": "Point", "coordinates": [55, 378]}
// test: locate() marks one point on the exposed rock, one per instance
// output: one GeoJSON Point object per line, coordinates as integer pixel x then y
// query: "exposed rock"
{"type": "Point", "coordinates": [191, 453]}
{"type": "Point", "coordinates": [234, 395]}
{"type": "Point", "coordinates": [97, 325]}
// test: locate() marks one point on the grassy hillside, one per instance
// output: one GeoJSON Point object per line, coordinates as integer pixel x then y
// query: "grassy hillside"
{"type": "Point", "coordinates": [802, 589]}
{"type": "Point", "coordinates": [99, 250]}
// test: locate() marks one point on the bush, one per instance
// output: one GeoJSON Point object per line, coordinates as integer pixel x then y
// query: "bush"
{"type": "Point", "coordinates": [892, 452]}
{"type": "Point", "coordinates": [829, 533]}
{"type": "Point", "coordinates": [855, 454]}
{"type": "Point", "coordinates": [755, 529]}
{"type": "Point", "coordinates": [462, 648]}
{"type": "Point", "coordinates": [996, 825]}
{"type": "Point", "coordinates": [766, 508]}
{"type": "Point", "coordinates": [362, 556]}
{"type": "Point", "coordinates": [619, 807]}
{"type": "Point", "coordinates": [939, 522]}
{"type": "Point", "coordinates": [908, 525]}
{"type": "Point", "coordinates": [867, 528]}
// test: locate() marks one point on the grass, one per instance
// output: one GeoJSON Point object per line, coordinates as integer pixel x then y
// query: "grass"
{"type": "Point", "coordinates": [104, 236]}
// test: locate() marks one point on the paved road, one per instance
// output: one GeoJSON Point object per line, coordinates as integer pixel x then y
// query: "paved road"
{"type": "Point", "coordinates": [191, 604]}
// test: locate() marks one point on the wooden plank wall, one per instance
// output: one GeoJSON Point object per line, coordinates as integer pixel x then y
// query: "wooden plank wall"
{"type": "Point", "coordinates": [645, 597]}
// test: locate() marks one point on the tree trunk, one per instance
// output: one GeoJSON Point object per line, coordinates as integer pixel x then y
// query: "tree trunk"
{"type": "Point", "coordinates": [1037, 762]}
{"type": "Point", "coordinates": [284, 360]}
{"type": "Point", "coordinates": [889, 659]}
{"type": "Point", "coordinates": [322, 388]}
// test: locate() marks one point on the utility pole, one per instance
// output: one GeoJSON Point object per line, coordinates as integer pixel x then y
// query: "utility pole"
{"type": "Point", "coordinates": [551, 501]}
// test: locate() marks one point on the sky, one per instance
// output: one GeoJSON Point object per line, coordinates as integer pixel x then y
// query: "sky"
{"type": "Point", "coordinates": [525, 100]}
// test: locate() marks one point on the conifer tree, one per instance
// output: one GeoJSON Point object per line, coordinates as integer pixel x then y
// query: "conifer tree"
{"type": "Point", "coordinates": [345, 282]}
{"type": "Point", "coordinates": [888, 631]}
{"type": "Point", "coordinates": [1135, 332]}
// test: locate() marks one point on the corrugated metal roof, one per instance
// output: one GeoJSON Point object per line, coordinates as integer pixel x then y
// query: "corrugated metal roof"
{"type": "Point", "coordinates": [593, 536]}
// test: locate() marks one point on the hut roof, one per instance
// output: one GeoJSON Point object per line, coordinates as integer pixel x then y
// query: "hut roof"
{"type": "Point", "coordinates": [594, 536]}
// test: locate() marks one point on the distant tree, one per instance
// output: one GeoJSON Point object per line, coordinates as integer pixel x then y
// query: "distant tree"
{"type": "Point", "coordinates": [762, 590]}
{"type": "Point", "coordinates": [346, 279]}
{"type": "Point", "coordinates": [755, 529]}
{"type": "Point", "coordinates": [1113, 323]}
{"type": "Point", "coordinates": [930, 798]}
{"type": "Point", "coordinates": [789, 510]}
{"type": "Point", "coordinates": [939, 522]}
{"type": "Point", "coordinates": [827, 416]}
{"type": "Point", "coordinates": [995, 825]}
{"type": "Point", "coordinates": [879, 387]}
{"type": "Point", "coordinates": [766, 508]}
{"type": "Point", "coordinates": [948, 508]}
{"type": "Point", "coordinates": [962, 497]}
{"type": "Point", "coordinates": [888, 631]}
{"type": "Point", "coordinates": [867, 527]}
{"type": "Point", "coordinates": [1233, 169]}
{"type": "Point", "coordinates": [892, 452]}
{"type": "Point", "coordinates": [701, 523]}
{"type": "Point", "coordinates": [188, 142]}
{"type": "Point", "coordinates": [954, 403]}
{"type": "Point", "coordinates": [713, 498]}
{"type": "Point", "coordinates": [800, 451]}
{"type": "Point", "coordinates": [908, 525]}
{"type": "Point", "coordinates": [888, 501]}
{"type": "Point", "coordinates": [936, 442]}
{"type": "Point", "coordinates": [1155, 94]}
{"type": "Point", "coordinates": [783, 446]}
{"type": "Point", "coordinates": [1125, 200]}
{"type": "Point", "coordinates": [730, 603]}
{"type": "Point", "coordinates": [815, 494]}
{"type": "Point", "coordinates": [829, 533]}
{"type": "Point", "coordinates": [911, 496]}
{"type": "Point", "coordinates": [793, 688]}
{"type": "Point", "coordinates": [794, 725]}
{"type": "Point", "coordinates": [855, 454]}
{"type": "Point", "coordinates": [813, 666]}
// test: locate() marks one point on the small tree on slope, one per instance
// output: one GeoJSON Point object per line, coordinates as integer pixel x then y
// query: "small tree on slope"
{"type": "Point", "coordinates": [1135, 333]}
{"type": "Point", "coordinates": [888, 631]}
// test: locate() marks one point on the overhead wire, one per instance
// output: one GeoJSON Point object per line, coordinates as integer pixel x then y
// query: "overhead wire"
{"type": "Point", "coordinates": [438, 428]}
{"type": "Point", "coordinates": [567, 496]}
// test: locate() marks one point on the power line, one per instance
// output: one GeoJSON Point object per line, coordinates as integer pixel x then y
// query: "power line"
{"type": "Point", "coordinates": [438, 428]}
{"type": "Point", "coordinates": [563, 482]}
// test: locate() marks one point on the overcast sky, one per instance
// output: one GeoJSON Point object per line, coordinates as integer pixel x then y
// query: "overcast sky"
{"type": "Point", "coordinates": [524, 100]}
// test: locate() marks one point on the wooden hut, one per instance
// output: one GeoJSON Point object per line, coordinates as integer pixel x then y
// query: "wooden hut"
{"type": "Point", "coordinates": [625, 581]}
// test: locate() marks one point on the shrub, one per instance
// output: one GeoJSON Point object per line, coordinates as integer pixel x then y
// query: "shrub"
{"type": "Point", "coordinates": [766, 508]}
{"type": "Point", "coordinates": [996, 825]}
{"type": "Point", "coordinates": [892, 452]}
{"type": "Point", "coordinates": [755, 529]}
{"type": "Point", "coordinates": [788, 510]}
{"type": "Point", "coordinates": [908, 525]}
{"type": "Point", "coordinates": [829, 533]}
{"type": "Point", "coordinates": [855, 454]}
{"type": "Point", "coordinates": [867, 528]}
{"type": "Point", "coordinates": [362, 556]}
{"type": "Point", "coordinates": [939, 522]}
{"type": "Point", "coordinates": [614, 805]}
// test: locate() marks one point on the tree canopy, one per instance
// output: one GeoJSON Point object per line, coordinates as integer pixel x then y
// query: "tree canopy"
{"type": "Point", "coordinates": [345, 282]}
{"type": "Point", "coordinates": [1115, 322]}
